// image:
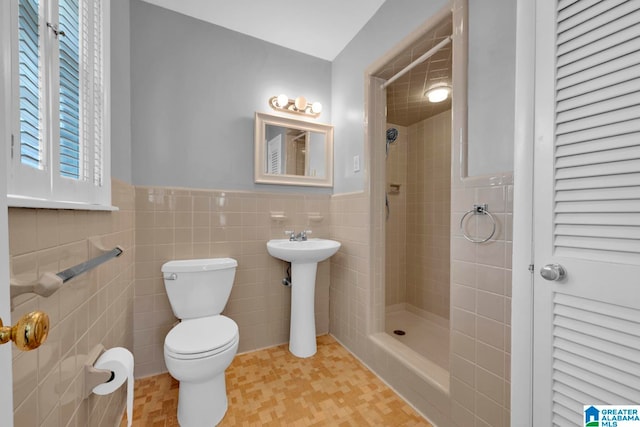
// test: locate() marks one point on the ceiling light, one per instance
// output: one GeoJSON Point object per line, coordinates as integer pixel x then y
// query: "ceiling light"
{"type": "Point", "coordinates": [438, 92]}
{"type": "Point", "coordinates": [300, 105]}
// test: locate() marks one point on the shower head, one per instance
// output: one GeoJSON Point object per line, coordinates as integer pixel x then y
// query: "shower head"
{"type": "Point", "coordinates": [392, 134]}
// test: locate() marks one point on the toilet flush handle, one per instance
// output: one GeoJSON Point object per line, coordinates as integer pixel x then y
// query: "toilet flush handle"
{"type": "Point", "coordinates": [172, 276]}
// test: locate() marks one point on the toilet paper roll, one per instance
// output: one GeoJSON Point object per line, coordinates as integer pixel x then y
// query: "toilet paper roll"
{"type": "Point", "coordinates": [120, 361]}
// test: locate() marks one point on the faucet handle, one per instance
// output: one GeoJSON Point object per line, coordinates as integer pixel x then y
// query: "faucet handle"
{"type": "Point", "coordinates": [291, 234]}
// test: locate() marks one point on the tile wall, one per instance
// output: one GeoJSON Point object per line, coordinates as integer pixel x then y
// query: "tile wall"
{"type": "Point", "coordinates": [417, 231]}
{"type": "Point", "coordinates": [481, 305]}
{"type": "Point", "coordinates": [94, 308]}
{"type": "Point", "coordinates": [357, 303]}
{"type": "Point", "coordinates": [479, 387]}
{"type": "Point", "coordinates": [173, 223]}
{"type": "Point", "coordinates": [477, 393]}
{"type": "Point", "coordinates": [428, 215]}
{"type": "Point", "coordinates": [350, 297]}
{"type": "Point", "coordinates": [396, 223]}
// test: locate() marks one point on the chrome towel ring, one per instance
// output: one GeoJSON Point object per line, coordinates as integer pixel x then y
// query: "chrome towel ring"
{"type": "Point", "coordinates": [482, 209]}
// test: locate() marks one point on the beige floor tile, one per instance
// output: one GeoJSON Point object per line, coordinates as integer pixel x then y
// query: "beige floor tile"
{"type": "Point", "coordinates": [272, 387]}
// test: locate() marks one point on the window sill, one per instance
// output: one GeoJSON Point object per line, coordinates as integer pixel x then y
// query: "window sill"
{"type": "Point", "coordinates": [14, 201]}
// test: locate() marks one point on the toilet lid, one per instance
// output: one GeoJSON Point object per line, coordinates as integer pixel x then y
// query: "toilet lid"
{"type": "Point", "coordinates": [201, 335]}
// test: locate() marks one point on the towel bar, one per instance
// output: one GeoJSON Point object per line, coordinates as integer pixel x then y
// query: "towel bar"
{"type": "Point", "coordinates": [50, 282]}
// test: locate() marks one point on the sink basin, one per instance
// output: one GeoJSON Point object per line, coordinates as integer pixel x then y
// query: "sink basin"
{"type": "Point", "coordinates": [312, 250]}
{"type": "Point", "coordinates": [304, 257]}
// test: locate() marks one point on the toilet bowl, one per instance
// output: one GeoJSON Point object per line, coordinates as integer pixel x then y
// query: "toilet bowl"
{"type": "Point", "coordinates": [197, 352]}
{"type": "Point", "coordinates": [199, 349]}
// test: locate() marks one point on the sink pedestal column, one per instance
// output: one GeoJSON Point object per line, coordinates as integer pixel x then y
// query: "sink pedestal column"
{"type": "Point", "coordinates": [302, 332]}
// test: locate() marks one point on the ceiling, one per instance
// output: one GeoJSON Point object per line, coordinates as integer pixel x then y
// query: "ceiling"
{"type": "Point", "coordinates": [316, 29]}
{"type": "Point", "coordinates": [406, 103]}
{"type": "Point", "coordinates": [319, 28]}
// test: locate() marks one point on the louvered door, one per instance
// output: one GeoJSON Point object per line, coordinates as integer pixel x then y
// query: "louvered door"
{"type": "Point", "coordinates": [587, 207]}
{"type": "Point", "coordinates": [274, 155]}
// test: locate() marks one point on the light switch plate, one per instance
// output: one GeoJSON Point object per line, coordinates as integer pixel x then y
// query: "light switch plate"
{"type": "Point", "coordinates": [356, 163]}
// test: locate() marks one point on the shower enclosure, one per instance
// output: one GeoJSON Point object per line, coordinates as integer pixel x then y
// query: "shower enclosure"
{"type": "Point", "coordinates": [417, 233]}
{"type": "Point", "coordinates": [403, 251]}
{"type": "Point", "coordinates": [415, 161]}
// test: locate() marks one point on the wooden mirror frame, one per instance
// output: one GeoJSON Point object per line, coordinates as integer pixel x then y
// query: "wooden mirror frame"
{"type": "Point", "coordinates": [261, 177]}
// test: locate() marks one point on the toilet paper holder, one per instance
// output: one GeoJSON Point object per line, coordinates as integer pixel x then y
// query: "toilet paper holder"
{"type": "Point", "coordinates": [92, 376]}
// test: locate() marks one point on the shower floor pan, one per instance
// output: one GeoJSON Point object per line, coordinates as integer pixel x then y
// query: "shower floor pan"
{"type": "Point", "coordinates": [423, 336]}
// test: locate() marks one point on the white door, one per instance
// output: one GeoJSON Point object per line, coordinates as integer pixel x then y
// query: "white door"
{"type": "Point", "coordinates": [6, 386]}
{"type": "Point", "coordinates": [586, 208]}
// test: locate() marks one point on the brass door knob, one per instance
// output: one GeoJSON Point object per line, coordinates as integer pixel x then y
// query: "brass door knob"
{"type": "Point", "coordinates": [29, 333]}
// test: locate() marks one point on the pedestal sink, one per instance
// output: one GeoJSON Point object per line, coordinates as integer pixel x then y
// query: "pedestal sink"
{"type": "Point", "coordinates": [304, 257]}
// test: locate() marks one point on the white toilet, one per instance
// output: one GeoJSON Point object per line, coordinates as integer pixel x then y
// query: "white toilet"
{"type": "Point", "coordinates": [199, 348]}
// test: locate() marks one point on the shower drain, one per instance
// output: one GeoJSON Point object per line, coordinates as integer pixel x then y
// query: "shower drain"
{"type": "Point", "coordinates": [399, 332]}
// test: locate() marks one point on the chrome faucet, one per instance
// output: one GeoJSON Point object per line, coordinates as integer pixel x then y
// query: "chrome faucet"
{"type": "Point", "coordinates": [300, 237]}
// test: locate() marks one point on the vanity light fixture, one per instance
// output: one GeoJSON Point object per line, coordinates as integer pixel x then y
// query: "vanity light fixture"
{"type": "Point", "coordinates": [300, 105]}
{"type": "Point", "coordinates": [438, 92]}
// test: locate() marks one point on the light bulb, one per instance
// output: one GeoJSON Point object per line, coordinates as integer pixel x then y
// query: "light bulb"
{"type": "Point", "coordinates": [438, 93]}
{"type": "Point", "coordinates": [316, 107]}
{"type": "Point", "coordinates": [301, 103]}
{"type": "Point", "coordinates": [282, 100]}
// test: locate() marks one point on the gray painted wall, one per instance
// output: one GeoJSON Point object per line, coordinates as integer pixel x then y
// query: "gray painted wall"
{"type": "Point", "coordinates": [491, 88]}
{"type": "Point", "coordinates": [491, 64]}
{"type": "Point", "coordinates": [195, 89]}
{"type": "Point", "coordinates": [393, 21]}
{"type": "Point", "coordinates": [120, 91]}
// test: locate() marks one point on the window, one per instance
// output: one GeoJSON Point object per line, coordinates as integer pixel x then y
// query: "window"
{"type": "Point", "coordinates": [60, 136]}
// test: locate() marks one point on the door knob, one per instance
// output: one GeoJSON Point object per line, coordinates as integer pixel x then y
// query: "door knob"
{"type": "Point", "coordinates": [29, 333]}
{"type": "Point", "coordinates": [553, 272]}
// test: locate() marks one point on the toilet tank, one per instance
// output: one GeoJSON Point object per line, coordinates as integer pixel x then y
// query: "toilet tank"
{"type": "Point", "coordinates": [198, 287]}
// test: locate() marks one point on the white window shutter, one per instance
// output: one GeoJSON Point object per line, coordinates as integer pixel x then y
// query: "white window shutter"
{"type": "Point", "coordinates": [98, 95]}
{"type": "Point", "coordinates": [29, 170]}
{"type": "Point", "coordinates": [61, 97]}
{"type": "Point", "coordinates": [69, 159]}
{"type": "Point", "coordinates": [30, 69]}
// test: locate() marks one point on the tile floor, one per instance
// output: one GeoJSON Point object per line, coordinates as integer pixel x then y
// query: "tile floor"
{"type": "Point", "coordinates": [271, 387]}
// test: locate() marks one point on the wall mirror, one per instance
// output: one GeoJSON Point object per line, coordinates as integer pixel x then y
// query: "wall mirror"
{"type": "Point", "coordinates": [291, 151]}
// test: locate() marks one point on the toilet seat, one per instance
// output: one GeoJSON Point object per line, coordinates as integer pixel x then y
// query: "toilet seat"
{"type": "Point", "coordinates": [201, 337]}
